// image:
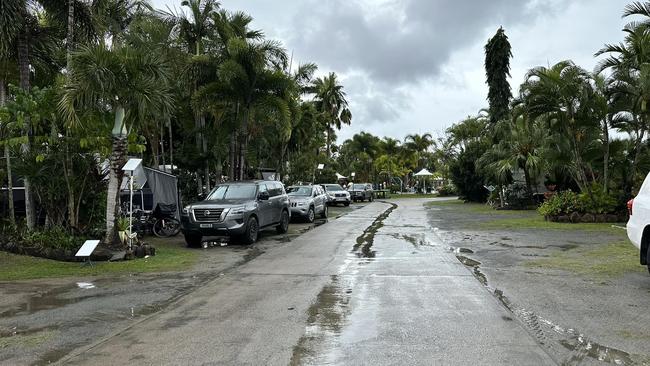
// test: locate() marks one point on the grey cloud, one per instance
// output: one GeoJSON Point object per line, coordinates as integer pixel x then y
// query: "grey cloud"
{"type": "Point", "coordinates": [403, 42]}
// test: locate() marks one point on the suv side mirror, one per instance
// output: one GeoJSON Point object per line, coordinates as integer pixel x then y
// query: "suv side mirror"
{"type": "Point", "coordinates": [263, 196]}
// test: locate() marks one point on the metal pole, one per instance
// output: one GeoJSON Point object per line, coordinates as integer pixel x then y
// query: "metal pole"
{"type": "Point", "coordinates": [131, 211]}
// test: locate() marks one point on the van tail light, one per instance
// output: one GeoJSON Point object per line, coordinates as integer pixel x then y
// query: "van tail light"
{"type": "Point", "coordinates": [630, 204]}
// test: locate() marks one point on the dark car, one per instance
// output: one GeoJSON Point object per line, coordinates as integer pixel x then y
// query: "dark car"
{"type": "Point", "coordinates": [362, 192]}
{"type": "Point", "coordinates": [238, 210]}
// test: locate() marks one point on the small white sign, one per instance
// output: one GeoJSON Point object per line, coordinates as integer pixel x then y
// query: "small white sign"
{"type": "Point", "coordinates": [131, 165]}
{"type": "Point", "coordinates": [87, 249]}
{"type": "Point", "coordinates": [353, 174]}
{"type": "Point", "coordinates": [321, 166]}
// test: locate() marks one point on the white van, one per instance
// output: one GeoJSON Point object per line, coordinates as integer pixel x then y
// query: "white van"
{"type": "Point", "coordinates": [638, 226]}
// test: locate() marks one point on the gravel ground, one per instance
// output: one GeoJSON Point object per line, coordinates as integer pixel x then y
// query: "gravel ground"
{"type": "Point", "coordinates": [579, 291]}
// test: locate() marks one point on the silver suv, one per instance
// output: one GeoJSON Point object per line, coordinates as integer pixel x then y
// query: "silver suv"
{"type": "Point", "coordinates": [239, 210]}
{"type": "Point", "coordinates": [307, 202]}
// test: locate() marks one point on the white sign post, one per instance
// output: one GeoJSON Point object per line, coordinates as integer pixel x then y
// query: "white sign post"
{"type": "Point", "coordinates": [86, 250]}
{"type": "Point", "coordinates": [129, 167]}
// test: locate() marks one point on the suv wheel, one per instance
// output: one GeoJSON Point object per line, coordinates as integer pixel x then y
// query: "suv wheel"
{"type": "Point", "coordinates": [284, 223]}
{"type": "Point", "coordinates": [323, 214]}
{"type": "Point", "coordinates": [252, 230]}
{"type": "Point", "coordinates": [370, 199]}
{"type": "Point", "coordinates": [347, 203]}
{"type": "Point", "coordinates": [311, 214]}
{"type": "Point", "coordinates": [193, 241]}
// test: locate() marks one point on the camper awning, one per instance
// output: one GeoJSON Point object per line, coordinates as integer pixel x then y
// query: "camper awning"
{"type": "Point", "coordinates": [423, 173]}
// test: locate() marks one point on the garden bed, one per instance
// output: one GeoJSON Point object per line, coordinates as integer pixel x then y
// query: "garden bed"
{"type": "Point", "coordinates": [58, 254]}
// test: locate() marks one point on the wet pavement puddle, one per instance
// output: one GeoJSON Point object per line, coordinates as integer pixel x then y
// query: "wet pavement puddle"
{"type": "Point", "coordinates": [327, 316]}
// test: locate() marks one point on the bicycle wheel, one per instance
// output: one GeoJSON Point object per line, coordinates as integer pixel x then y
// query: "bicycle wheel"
{"type": "Point", "coordinates": [164, 228]}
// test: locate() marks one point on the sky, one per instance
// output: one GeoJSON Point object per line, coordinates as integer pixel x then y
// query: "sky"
{"type": "Point", "coordinates": [416, 66]}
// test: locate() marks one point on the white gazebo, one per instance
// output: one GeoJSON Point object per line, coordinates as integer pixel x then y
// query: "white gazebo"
{"type": "Point", "coordinates": [424, 173]}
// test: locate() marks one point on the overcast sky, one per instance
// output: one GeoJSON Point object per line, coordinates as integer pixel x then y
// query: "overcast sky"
{"type": "Point", "coordinates": [416, 66]}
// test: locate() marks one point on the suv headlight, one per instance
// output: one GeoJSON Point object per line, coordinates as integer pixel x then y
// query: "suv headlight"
{"type": "Point", "coordinates": [300, 203]}
{"type": "Point", "coordinates": [186, 210]}
{"type": "Point", "coordinates": [237, 210]}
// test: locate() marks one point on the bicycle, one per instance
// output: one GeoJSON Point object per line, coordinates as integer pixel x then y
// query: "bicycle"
{"type": "Point", "coordinates": [159, 222]}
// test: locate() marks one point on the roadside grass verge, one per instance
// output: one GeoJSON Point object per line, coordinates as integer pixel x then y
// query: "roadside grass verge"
{"type": "Point", "coordinates": [479, 208]}
{"type": "Point", "coordinates": [170, 256]}
{"type": "Point", "coordinates": [609, 260]}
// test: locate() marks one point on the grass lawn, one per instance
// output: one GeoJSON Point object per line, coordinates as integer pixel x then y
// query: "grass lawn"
{"type": "Point", "coordinates": [169, 257]}
{"type": "Point", "coordinates": [608, 260]}
{"type": "Point", "coordinates": [519, 219]}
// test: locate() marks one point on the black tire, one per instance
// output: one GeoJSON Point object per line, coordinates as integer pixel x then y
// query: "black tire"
{"type": "Point", "coordinates": [370, 199]}
{"type": "Point", "coordinates": [311, 215]}
{"type": "Point", "coordinates": [284, 223]}
{"type": "Point", "coordinates": [193, 241]}
{"type": "Point", "coordinates": [167, 227]}
{"type": "Point", "coordinates": [323, 214]}
{"type": "Point", "coordinates": [252, 231]}
{"type": "Point", "coordinates": [346, 204]}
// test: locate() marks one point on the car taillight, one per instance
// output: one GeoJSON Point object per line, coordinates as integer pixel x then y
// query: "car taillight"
{"type": "Point", "coordinates": [630, 204]}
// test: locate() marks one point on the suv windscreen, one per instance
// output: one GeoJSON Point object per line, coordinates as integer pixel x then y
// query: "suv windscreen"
{"type": "Point", "coordinates": [333, 187]}
{"type": "Point", "coordinates": [359, 187]}
{"type": "Point", "coordinates": [233, 192]}
{"type": "Point", "coordinates": [299, 191]}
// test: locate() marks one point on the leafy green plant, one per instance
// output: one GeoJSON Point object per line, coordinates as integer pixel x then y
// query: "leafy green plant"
{"type": "Point", "coordinates": [53, 238]}
{"type": "Point", "coordinates": [122, 224]}
{"type": "Point", "coordinates": [564, 202]}
{"type": "Point", "coordinates": [597, 201]}
{"type": "Point", "coordinates": [448, 190]}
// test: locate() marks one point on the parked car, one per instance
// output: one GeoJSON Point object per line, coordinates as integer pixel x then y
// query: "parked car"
{"type": "Point", "coordinates": [336, 194]}
{"type": "Point", "coordinates": [307, 202]}
{"type": "Point", "coordinates": [362, 192]}
{"type": "Point", "coordinates": [238, 210]}
{"type": "Point", "coordinates": [638, 226]}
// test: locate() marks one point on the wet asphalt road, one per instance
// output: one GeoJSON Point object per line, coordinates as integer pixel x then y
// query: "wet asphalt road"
{"type": "Point", "coordinates": [376, 286]}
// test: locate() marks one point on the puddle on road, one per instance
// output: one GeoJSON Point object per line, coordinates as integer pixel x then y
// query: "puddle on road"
{"type": "Point", "coordinates": [325, 319]}
{"type": "Point", "coordinates": [327, 315]}
{"type": "Point", "coordinates": [363, 246]}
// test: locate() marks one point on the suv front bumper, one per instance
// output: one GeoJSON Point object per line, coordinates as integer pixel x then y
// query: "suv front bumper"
{"type": "Point", "coordinates": [228, 227]}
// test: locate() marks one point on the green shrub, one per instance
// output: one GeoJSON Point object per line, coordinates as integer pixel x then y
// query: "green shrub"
{"type": "Point", "coordinates": [561, 203]}
{"type": "Point", "coordinates": [448, 190]}
{"type": "Point", "coordinates": [598, 202]}
{"type": "Point", "coordinates": [54, 238]}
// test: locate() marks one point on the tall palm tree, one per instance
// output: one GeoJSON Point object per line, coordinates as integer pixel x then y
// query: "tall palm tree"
{"type": "Point", "coordinates": [331, 101]}
{"type": "Point", "coordinates": [561, 95]}
{"type": "Point", "coordinates": [419, 144]}
{"type": "Point", "coordinates": [124, 82]}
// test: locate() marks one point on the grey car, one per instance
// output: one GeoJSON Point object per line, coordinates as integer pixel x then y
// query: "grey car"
{"type": "Point", "coordinates": [307, 202]}
{"type": "Point", "coordinates": [238, 210]}
{"type": "Point", "coordinates": [362, 192]}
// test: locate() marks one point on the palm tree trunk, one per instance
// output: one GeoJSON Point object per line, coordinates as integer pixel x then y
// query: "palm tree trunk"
{"type": "Point", "coordinates": [23, 66]}
{"type": "Point", "coordinates": [244, 144]}
{"type": "Point", "coordinates": [117, 160]}
{"type": "Point", "coordinates": [70, 36]}
{"type": "Point", "coordinates": [171, 147]}
{"type": "Point", "coordinates": [637, 155]}
{"type": "Point", "coordinates": [231, 156]}
{"type": "Point", "coordinates": [606, 154]}
{"type": "Point", "coordinates": [10, 184]}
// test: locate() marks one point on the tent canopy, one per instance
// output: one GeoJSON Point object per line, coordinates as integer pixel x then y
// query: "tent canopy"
{"type": "Point", "coordinates": [423, 173]}
{"type": "Point", "coordinates": [339, 176]}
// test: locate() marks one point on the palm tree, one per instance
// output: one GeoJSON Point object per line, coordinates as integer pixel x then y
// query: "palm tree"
{"type": "Point", "coordinates": [124, 82]}
{"type": "Point", "coordinates": [497, 71]}
{"type": "Point", "coordinates": [419, 144]}
{"type": "Point", "coordinates": [331, 102]}
{"type": "Point", "coordinates": [561, 95]}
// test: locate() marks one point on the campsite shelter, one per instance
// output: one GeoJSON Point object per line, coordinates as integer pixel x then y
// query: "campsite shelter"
{"type": "Point", "coordinates": [152, 186]}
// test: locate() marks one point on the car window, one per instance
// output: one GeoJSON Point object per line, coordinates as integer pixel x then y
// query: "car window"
{"type": "Point", "coordinates": [358, 187]}
{"type": "Point", "coordinates": [333, 187]}
{"type": "Point", "coordinates": [273, 189]}
{"type": "Point", "coordinates": [299, 191]}
{"type": "Point", "coordinates": [233, 192]}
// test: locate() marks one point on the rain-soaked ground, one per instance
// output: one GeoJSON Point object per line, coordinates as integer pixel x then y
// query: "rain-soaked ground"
{"type": "Point", "coordinates": [41, 321]}
{"type": "Point", "coordinates": [392, 283]}
{"type": "Point", "coordinates": [581, 317]}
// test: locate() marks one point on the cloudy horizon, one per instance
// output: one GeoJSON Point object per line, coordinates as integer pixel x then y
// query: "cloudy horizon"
{"type": "Point", "coordinates": [416, 66]}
